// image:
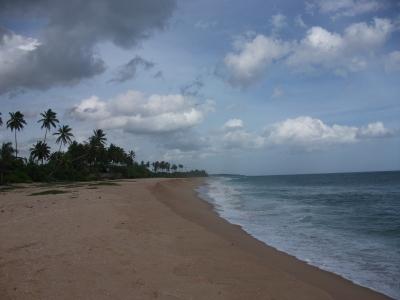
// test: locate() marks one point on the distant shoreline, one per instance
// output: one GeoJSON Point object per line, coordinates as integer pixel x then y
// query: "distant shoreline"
{"type": "Point", "coordinates": [146, 239]}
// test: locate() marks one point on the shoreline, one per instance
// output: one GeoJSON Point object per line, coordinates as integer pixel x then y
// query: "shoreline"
{"type": "Point", "coordinates": [213, 208]}
{"type": "Point", "coordinates": [263, 249]}
{"type": "Point", "coordinates": [146, 239]}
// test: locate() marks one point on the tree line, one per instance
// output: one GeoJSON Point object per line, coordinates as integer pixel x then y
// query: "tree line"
{"type": "Point", "coordinates": [90, 160]}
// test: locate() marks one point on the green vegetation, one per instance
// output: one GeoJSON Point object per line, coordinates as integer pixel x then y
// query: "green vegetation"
{"type": "Point", "coordinates": [90, 160]}
{"type": "Point", "coordinates": [49, 192]}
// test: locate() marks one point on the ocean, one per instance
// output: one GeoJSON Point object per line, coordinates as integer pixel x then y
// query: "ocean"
{"type": "Point", "coordinates": [347, 223]}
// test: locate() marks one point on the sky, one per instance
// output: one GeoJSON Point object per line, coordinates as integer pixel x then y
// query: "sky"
{"type": "Point", "coordinates": [245, 87]}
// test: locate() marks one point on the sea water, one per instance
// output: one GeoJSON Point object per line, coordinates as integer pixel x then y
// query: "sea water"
{"type": "Point", "coordinates": [346, 223]}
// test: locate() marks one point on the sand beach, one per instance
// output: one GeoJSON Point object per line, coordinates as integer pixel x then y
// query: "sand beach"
{"type": "Point", "coordinates": [143, 239]}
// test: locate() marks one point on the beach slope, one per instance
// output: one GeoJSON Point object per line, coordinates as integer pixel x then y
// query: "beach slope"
{"type": "Point", "coordinates": [143, 239]}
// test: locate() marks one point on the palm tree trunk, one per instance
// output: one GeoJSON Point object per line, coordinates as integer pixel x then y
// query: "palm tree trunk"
{"type": "Point", "coordinates": [45, 134]}
{"type": "Point", "coordinates": [59, 149]}
{"type": "Point", "coordinates": [16, 145]}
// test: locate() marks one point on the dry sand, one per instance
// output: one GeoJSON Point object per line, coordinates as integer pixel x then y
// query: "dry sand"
{"type": "Point", "coordinates": [143, 239]}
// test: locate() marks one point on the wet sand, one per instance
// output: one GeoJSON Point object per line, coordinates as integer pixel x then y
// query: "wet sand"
{"type": "Point", "coordinates": [143, 239]}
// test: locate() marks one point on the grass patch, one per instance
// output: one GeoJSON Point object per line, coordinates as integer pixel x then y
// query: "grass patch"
{"type": "Point", "coordinates": [49, 192]}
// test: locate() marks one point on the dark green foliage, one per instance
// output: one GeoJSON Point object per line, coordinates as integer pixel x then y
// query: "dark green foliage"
{"type": "Point", "coordinates": [16, 123]}
{"type": "Point", "coordinates": [88, 161]}
{"type": "Point", "coordinates": [64, 135]}
{"type": "Point", "coordinates": [48, 120]}
{"type": "Point", "coordinates": [40, 151]}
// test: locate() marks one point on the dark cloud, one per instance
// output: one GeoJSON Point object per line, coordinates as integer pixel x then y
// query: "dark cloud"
{"type": "Point", "coordinates": [159, 74]}
{"type": "Point", "coordinates": [192, 88]}
{"type": "Point", "coordinates": [129, 70]}
{"type": "Point", "coordinates": [67, 50]}
{"type": "Point", "coordinates": [184, 141]}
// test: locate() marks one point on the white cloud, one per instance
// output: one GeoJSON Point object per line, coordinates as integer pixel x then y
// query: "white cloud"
{"type": "Point", "coordinates": [302, 133]}
{"type": "Point", "coordinates": [300, 22]}
{"type": "Point", "coordinates": [347, 8]}
{"type": "Point", "coordinates": [251, 58]}
{"type": "Point", "coordinates": [14, 49]}
{"type": "Point", "coordinates": [374, 130]}
{"type": "Point", "coordinates": [343, 53]}
{"type": "Point", "coordinates": [392, 61]}
{"type": "Point", "coordinates": [310, 133]}
{"type": "Point", "coordinates": [233, 124]}
{"type": "Point", "coordinates": [348, 52]}
{"type": "Point", "coordinates": [234, 136]}
{"type": "Point", "coordinates": [136, 112]}
{"type": "Point", "coordinates": [241, 139]}
{"type": "Point", "coordinates": [202, 24]}
{"type": "Point", "coordinates": [278, 22]}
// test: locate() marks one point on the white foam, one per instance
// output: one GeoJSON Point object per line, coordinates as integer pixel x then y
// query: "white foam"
{"type": "Point", "coordinates": [329, 250]}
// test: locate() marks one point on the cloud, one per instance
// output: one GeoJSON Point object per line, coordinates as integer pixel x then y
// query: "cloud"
{"type": "Point", "coordinates": [129, 70]}
{"type": "Point", "coordinates": [302, 133]}
{"type": "Point", "coordinates": [136, 112]}
{"type": "Point", "coordinates": [347, 8]}
{"type": "Point", "coordinates": [65, 51]}
{"type": "Point", "coordinates": [252, 57]}
{"type": "Point", "coordinates": [374, 130]}
{"type": "Point", "coordinates": [158, 74]}
{"type": "Point", "coordinates": [300, 22]}
{"type": "Point", "coordinates": [233, 124]}
{"type": "Point", "coordinates": [278, 22]}
{"type": "Point", "coordinates": [204, 25]}
{"type": "Point", "coordinates": [192, 88]}
{"type": "Point", "coordinates": [392, 61]}
{"type": "Point", "coordinates": [310, 133]}
{"type": "Point", "coordinates": [319, 49]}
{"type": "Point", "coordinates": [347, 52]}
{"type": "Point", "coordinates": [277, 92]}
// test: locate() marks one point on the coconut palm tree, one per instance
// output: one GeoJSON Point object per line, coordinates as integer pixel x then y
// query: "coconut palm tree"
{"type": "Point", "coordinates": [6, 156]}
{"type": "Point", "coordinates": [48, 120]}
{"type": "Point", "coordinates": [98, 138]}
{"type": "Point", "coordinates": [97, 142]}
{"type": "Point", "coordinates": [1, 120]}
{"type": "Point", "coordinates": [64, 135]}
{"type": "Point", "coordinates": [40, 151]}
{"type": "Point", "coordinates": [132, 155]}
{"type": "Point", "coordinates": [16, 122]}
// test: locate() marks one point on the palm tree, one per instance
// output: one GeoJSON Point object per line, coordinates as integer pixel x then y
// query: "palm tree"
{"type": "Point", "coordinates": [97, 142]}
{"type": "Point", "coordinates": [98, 138]}
{"type": "Point", "coordinates": [132, 155]}
{"type": "Point", "coordinates": [174, 167]}
{"type": "Point", "coordinates": [64, 135]}
{"type": "Point", "coordinates": [15, 123]}
{"type": "Point", "coordinates": [6, 156]}
{"type": "Point", "coordinates": [40, 151]}
{"type": "Point", "coordinates": [48, 120]}
{"type": "Point", "coordinates": [1, 121]}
